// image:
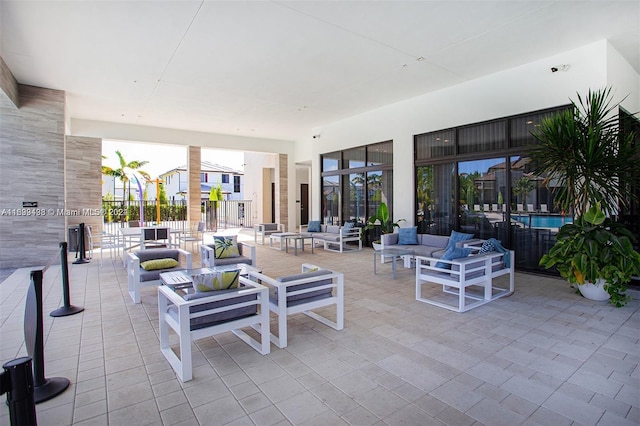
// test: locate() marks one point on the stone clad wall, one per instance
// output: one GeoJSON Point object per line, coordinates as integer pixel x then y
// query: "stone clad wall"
{"type": "Point", "coordinates": [31, 169]}
{"type": "Point", "coordinates": [83, 166]}
{"type": "Point", "coordinates": [282, 194]}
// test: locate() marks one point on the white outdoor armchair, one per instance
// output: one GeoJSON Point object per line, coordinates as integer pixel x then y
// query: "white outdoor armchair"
{"type": "Point", "coordinates": [198, 315]}
{"type": "Point", "coordinates": [138, 277]}
{"type": "Point", "coordinates": [263, 230]}
{"type": "Point", "coordinates": [314, 288]}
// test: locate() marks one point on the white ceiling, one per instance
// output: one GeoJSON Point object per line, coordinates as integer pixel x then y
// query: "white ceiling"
{"type": "Point", "coordinates": [276, 69]}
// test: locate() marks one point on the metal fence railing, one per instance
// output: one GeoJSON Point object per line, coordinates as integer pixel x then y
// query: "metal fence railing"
{"type": "Point", "coordinates": [216, 215]}
{"type": "Point", "coordinates": [227, 214]}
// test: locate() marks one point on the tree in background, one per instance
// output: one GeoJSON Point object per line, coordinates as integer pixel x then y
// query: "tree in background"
{"type": "Point", "coordinates": [121, 172]}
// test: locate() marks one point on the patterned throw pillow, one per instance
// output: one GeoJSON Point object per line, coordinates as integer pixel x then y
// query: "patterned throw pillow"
{"type": "Point", "coordinates": [155, 264]}
{"type": "Point", "coordinates": [487, 246]}
{"type": "Point", "coordinates": [314, 226]}
{"type": "Point", "coordinates": [216, 281]}
{"type": "Point", "coordinates": [225, 247]}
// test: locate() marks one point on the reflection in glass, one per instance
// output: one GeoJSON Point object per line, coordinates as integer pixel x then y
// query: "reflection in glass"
{"type": "Point", "coordinates": [354, 190]}
{"type": "Point", "coordinates": [380, 153]}
{"type": "Point", "coordinates": [482, 137]}
{"type": "Point", "coordinates": [535, 220]}
{"type": "Point", "coordinates": [330, 199]}
{"type": "Point", "coordinates": [434, 145]}
{"type": "Point", "coordinates": [330, 161]}
{"type": "Point", "coordinates": [482, 186]}
{"type": "Point", "coordinates": [435, 194]}
{"type": "Point", "coordinates": [379, 190]}
{"type": "Point", "coordinates": [354, 157]}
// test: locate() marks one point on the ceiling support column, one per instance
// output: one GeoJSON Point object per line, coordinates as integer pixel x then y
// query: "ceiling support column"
{"type": "Point", "coordinates": [194, 191]}
{"type": "Point", "coordinates": [281, 191]}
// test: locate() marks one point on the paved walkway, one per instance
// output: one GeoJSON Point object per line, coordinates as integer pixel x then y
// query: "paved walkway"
{"type": "Point", "coordinates": [544, 356]}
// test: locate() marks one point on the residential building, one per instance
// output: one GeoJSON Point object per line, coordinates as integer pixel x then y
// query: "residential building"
{"type": "Point", "coordinates": [211, 175]}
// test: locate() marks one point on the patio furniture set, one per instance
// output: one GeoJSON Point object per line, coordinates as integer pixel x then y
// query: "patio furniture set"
{"type": "Point", "coordinates": [333, 237]}
{"type": "Point", "coordinates": [240, 303]}
{"type": "Point", "coordinates": [233, 302]}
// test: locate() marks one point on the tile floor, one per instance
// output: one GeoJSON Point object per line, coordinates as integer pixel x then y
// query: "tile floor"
{"type": "Point", "coordinates": [543, 356]}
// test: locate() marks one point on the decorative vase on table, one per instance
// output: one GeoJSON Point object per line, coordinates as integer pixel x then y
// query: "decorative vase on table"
{"type": "Point", "coordinates": [595, 292]}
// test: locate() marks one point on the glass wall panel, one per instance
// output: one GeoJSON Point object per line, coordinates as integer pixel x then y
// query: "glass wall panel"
{"type": "Point", "coordinates": [521, 128]}
{"type": "Point", "coordinates": [434, 145]}
{"type": "Point", "coordinates": [482, 186]}
{"type": "Point", "coordinates": [535, 220]}
{"type": "Point", "coordinates": [379, 190]}
{"type": "Point", "coordinates": [435, 199]}
{"type": "Point", "coordinates": [354, 190]}
{"type": "Point", "coordinates": [354, 157]}
{"type": "Point", "coordinates": [380, 153]}
{"type": "Point", "coordinates": [331, 199]}
{"type": "Point", "coordinates": [482, 137]}
{"type": "Point", "coordinates": [331, 161]}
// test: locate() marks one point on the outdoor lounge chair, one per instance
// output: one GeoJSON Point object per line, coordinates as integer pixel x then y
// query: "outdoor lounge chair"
{"type": "Point", "coordinates": [314, 288]}
{"type": "Point", "coordinates": [139, 277]}
{"type": "Point", "coordinates": [194, 316]}
{"type": "Point", "coordinates": [209, 257]}
{"type": "Point", "coordinates": [265, 229]}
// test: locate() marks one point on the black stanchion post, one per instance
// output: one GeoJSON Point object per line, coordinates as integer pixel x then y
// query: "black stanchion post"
{"type": "Point", "coordinates": [17, 383]}
{"type": "Point", "coordinates": [67, 309]}
{"type": "Point", "coordinates": [45, 389]}
{"type": "Point", "coordinates": [81, 248]}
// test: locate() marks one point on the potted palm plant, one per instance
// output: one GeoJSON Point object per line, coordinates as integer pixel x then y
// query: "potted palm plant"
{"type": "Point", "coordinates": [597, 255]}
{"type": "Point", "coordinates": [378, 224]}
{"type": "Point", "coordinates": [592, 165]}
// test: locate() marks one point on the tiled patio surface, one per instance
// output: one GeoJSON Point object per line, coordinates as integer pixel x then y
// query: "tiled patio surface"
{"type": "Point", "coordinates": [542, 356]}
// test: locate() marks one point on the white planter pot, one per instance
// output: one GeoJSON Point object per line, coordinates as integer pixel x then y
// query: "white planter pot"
{"type": "Point", "coordinates": [376, 246]}
{"type": "Point", "coordinates": [594, 291]}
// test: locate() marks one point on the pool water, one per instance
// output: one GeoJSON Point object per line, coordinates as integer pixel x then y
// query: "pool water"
{"type": "Point", "coordinates": [543, 221]}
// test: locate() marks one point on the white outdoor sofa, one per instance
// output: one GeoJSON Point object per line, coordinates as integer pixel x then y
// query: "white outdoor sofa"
{"type": "Point", "coordinates": [466, 283]}
{"type": "Point", "coordinates": [335, 237]}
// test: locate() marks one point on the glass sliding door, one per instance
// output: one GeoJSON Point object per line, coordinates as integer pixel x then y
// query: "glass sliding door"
{"type": "Point", "coordinates": [354, 190]}
{"type": "Point", "coordinates": [435, 198]}
{"type": "Point", "coordinates": [535, 219]}
{"type": "Point", "coordinates": [482, 189]}
{"type": "Point", "coordinates": [331, 199]}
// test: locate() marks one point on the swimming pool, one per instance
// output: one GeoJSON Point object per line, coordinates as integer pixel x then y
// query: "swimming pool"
{"type": "Point", "coordinates": [543, 221]}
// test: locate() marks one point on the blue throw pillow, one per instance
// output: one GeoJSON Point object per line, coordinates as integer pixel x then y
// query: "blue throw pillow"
{"type": "Point", "coordinates": [453, 253]}
{"type": "Point", "coordinates": [314, 226]}
{"type": "Point", "coordinates": [456, 237]}
{"type": "Point", "coordinates": [347, 227]}
{"type": "Point", "coordinates": [408, 236]}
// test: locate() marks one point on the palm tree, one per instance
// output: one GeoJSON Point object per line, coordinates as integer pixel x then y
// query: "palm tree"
{"type": "Point", "coordinates": [122, 172]}
{"type": "Point", "coordinates": [522, 187]}
{"type": "Point", "coordinates": [584, 151]}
